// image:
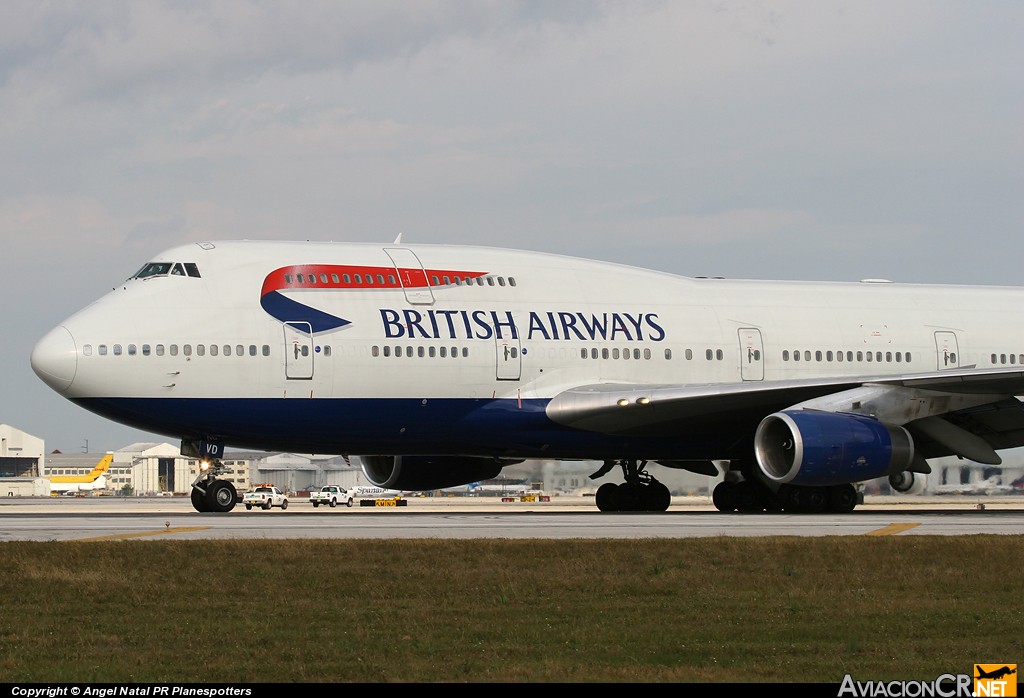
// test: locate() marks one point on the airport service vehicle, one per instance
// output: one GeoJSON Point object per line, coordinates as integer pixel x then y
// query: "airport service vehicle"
{"type": "Point", "coordinates": [265, 497]}
{"type": "Point", "coordinates": [438, 365]}
{"type": "Point", "coordinates": [332, 496]}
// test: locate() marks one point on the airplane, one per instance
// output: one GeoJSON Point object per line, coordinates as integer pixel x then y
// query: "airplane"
{"type": "Point", "coordinates": [96, 479]}
{"type": "Point", "coordinates": [371, 492]}
{"type": "Point", "coordinates": [479, 488]}
{"type": "Point", "coordinates": [996, 673]}
{"type": "Point", "coordinates": [439, 365]}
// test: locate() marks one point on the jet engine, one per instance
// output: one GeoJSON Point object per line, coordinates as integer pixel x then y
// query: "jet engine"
{"type": "Point", "coordinates": [415, 473]}
{"type": "Point", "coordinates": [805, 447]}
{"type": "Point", "coordinates": [908, 482]}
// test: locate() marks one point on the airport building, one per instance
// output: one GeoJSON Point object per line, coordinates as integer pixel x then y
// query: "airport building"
{"type": "Point", "coordinates": [22, 459]}
{"type": "Point", "coordinates": [21, 454]}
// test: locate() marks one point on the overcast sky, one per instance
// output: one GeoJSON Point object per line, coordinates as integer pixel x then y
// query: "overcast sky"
{"type": "Point", "coordinates": [817, 140]}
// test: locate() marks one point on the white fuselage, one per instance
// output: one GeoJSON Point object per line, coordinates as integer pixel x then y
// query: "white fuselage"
{"type": "Point", "coordinates": [100, 483]}
{"type": "Point", "coordinates": [269, 346]}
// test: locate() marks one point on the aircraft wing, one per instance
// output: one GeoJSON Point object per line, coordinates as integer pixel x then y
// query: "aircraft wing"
{"type": "Point", "coordinates": [980, 401]}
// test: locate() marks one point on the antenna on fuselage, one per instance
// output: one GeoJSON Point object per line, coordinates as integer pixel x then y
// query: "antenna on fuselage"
{"type": "Point", "coordinates": [398, 240]}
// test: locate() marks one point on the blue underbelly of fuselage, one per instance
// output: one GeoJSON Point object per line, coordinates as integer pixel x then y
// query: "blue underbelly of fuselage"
{"type": "Point", "coordinates": [507, 428]}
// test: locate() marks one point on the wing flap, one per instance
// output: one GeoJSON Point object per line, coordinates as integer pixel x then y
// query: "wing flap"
{"type": "Point", "coordinates": [1000, 424]}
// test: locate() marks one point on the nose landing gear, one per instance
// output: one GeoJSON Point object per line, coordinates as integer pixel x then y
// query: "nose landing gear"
{"type": "Point", "coordinates": [212, 495]}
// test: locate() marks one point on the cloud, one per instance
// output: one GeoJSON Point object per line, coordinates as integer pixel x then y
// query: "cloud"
{"type": "Point", "coordinates": [783, 139]}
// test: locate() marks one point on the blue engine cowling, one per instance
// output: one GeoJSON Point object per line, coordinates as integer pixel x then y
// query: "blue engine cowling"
{"type": "Point", "coordinates": [418, 473]}
{"type": "Point", "coordinates": [804, 447]}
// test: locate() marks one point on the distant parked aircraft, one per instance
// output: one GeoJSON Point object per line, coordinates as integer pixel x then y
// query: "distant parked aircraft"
{"type": "Point", "coordinates": [367, 492]}
{"type": "Point", "coordinates": [513, 488]}
{"type": "Point", "coordinates": [94, 480]}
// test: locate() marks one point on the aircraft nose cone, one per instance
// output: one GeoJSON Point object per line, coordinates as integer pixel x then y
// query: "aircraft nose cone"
{"type": "Point", "coordinates": [55, 359]}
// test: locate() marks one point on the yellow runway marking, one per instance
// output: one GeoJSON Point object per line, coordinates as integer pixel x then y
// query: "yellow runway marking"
{"type": "Point", "coordinates": [162, 532]}
{"type": "Point", "coordinates": [893, 529]}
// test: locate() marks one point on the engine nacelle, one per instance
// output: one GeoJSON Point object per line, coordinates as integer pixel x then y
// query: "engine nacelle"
{"type": "Point", "coordinates": [415, 473]}
{"type": "Point", "coordinates": [908, 482]}
{"type": "Point", "coordinates": [805, 447]}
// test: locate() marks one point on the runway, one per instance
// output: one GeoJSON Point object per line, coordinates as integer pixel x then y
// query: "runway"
{"type": "Point", "coordinates": [167, 518]}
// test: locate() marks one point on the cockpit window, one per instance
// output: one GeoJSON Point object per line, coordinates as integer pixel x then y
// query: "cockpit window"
{"type": "Point", "coordinates": [153, 269]}
{"type": "Point", "coordinates": [168, 268]}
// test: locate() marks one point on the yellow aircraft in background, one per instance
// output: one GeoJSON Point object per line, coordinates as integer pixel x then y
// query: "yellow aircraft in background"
{"type": "Point", "coordinates": [96, 479]}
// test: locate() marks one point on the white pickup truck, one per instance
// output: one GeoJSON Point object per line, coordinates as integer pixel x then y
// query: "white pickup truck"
{"type": "Point", "coordinates": [265, 497]}
{"type": "Point", "coordinates": [332, 496]}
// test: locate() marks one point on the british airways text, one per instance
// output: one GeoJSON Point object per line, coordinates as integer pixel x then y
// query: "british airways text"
{"type": "Point", "coordinates": [487, 324]}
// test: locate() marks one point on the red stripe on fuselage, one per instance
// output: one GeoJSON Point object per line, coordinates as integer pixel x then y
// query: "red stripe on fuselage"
{"type": "Point", "coordinates": [328, 276]}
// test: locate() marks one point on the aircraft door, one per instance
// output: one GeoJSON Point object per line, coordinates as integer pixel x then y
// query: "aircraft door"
{"type": "Point", "coordinates": [411, 275]}
{"type": "Point", "coordinates": [298, 351]}
{"type": "Point", "coordinates": [751, 354]}
{"type": "Point", "coordinates": [508, 355]}
{"type": "Point", "coordinates": [948, 354]}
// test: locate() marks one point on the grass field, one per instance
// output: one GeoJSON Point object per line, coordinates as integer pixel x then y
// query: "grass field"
{"type": "Point", "coordinates": [693, 610]}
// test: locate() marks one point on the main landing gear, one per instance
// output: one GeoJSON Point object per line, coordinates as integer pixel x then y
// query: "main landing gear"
{"type": "Point", "coordinates": [639, 492]}
{"type": "Point", "coordinates": [752, 496]}
{"type": "Point", "coordinates": [210, 494]}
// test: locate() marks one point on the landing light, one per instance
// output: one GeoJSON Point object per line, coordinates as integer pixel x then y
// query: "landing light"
{"type": "Point", "coordinates": [204, 465]}
{"type": "Point", "coordinates": [622, 402]}
{"type": "Point", "coordinates": [643, 401]}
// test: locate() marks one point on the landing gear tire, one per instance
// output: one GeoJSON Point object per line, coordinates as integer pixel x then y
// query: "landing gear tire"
{"type": "Point", "coordinates": [221, 496]}
{"type": "Point", "coordinates": [199, 500]}
{"type": "Point", "coordinates": [842, 499]}
{"type": "Point", "coordinates": [630, 497]}
{"type": "Point", "coordinates": [789, 498]}
{"type": "Point", "coordinates": [661, 497]}
{"type": "Point", "coordinates": [748, 498]}
{"type": "Point", "coordinates": [814, 500]}
{"type": "Point", "coordinates": [607, 497]}
{"type": "Point", "coordinates": [724, 497]}
{"type": "Point", "coordinates": [804, 499]}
